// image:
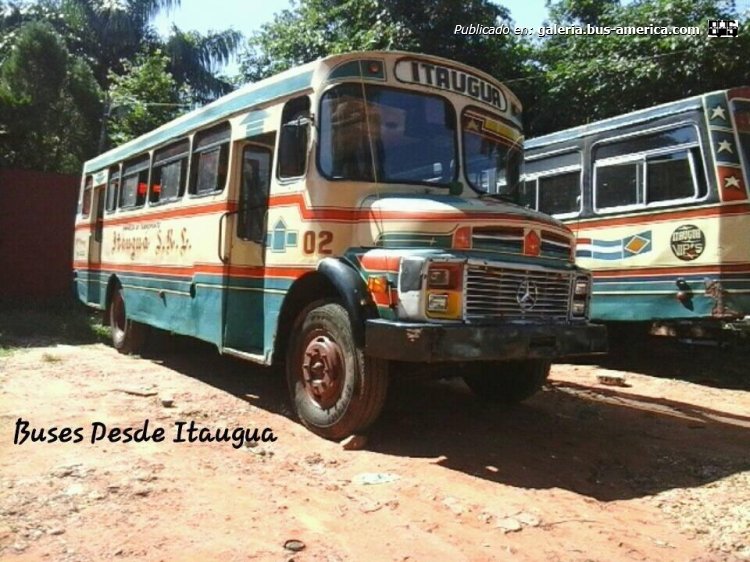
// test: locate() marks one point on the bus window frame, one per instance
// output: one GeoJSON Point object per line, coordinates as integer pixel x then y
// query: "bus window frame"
{"type": "Point", "coordinates": [184, 176]}
{"type": "Point", "coordinates": [312, 131]}
{"type": "Point", "coordinates": [148, 182]}
{"type": "Point", "coordinates": [457, 174]}
{"type": "Point", "coordinates": [86, 188]}
{"type": "Point", "coordinates": [536, 176]}
{"type": "Point", "coordinates": [642, 157]}
{"type": "Point", "coordinates": [192, 170]}
{"type": "Point", "coordinates": [462, 149]}
{"type": "Point", "coordinates": [115, 172]}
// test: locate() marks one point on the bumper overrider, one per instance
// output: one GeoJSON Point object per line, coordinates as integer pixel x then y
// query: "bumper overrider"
{"type": "Point", "coordinates": [432, 343]}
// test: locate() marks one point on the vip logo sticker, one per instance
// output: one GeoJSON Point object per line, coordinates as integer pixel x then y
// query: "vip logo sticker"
{"type": "Point", "coordinates": [688, 242]}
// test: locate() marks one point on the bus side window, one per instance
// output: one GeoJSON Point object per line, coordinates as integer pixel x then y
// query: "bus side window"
{"type": "Point", "coordinates": [113, 189]}
{"type": "Point", "coordinates": [650, 168]}
{"type": "Point", "coordinates": [295, 127]}
{"type": "Point", "coordinates": [210, 160]}
{"type": "Point", "coordinates": [618, 185]}
{"type": "Point", "coordinates": [134, 184]}
{"type": "Point", "coordinates": [168, 172]}
{"type": "Point", "coordinates": [86, 196]}
{"type": "Point", "coordinates": [560, 193]}
{"type": "Point", "coordinates": [674, 176]}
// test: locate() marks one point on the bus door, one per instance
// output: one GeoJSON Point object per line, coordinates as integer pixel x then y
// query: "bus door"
{"type": "Point", "coordinates": [244, 298]}
{"type": "Point", "coordinates": [95, 245]}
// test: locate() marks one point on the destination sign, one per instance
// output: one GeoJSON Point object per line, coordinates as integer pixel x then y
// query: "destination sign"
{"type": "Point", "coordinates": [451, 79]}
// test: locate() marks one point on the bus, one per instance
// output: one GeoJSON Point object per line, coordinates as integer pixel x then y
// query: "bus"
{"type": "Point", "coordinates": [339, 220]}
{"type": "Point", "coordinates": [658, 202]}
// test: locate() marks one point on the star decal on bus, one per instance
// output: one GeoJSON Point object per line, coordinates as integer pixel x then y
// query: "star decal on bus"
{"type": "Point", "coordinates": [718, 111]}
{"type": "Point", "coordinates": [725, 145]}
{"type": "Point", "coordinates": [472, 125]}
{"type": "Point", "coordinates": [732, 182]}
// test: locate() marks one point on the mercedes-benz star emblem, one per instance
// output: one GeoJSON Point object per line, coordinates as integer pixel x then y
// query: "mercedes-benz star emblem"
{"type": "Point", "coordinates": [527, 295]}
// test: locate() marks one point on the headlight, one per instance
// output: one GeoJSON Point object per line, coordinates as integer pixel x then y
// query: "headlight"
{"type": "Point", "coordinates": [580, 301]}
{"type": "Point", "coordinates": [444, 286]}
{"type": "Point", "coordinates": [445, 275]}
{"type": "Point", "coordinates": [582, 287]}
{"type": "Point", "coordinates": [437, 302]}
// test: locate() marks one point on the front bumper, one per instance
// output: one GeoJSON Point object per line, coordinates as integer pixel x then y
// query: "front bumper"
{"type": "Point", "coordinates": [432, 343]}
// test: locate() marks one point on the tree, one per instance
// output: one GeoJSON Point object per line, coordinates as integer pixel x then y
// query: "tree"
{"type": "Point", "coordinates": [104, 35]}
{"type": "Point", "coordinates": [111, 33]}
{"type": "Point", "coordinates": [49, 102]}
{"type": "Point", "coordinates": [316, 28]}
{"type": "Point", "coordinates": [144, 97]}
{"type": "Point", "coordinates": [194, 60]}
{"type": "Point", "coordinates": [590, 77]}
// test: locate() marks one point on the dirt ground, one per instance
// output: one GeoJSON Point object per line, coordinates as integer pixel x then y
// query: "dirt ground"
{"type": "Point", "coordinates": [655, 470]}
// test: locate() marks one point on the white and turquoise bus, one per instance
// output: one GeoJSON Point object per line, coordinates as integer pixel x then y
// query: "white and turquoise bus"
{"type": "Point", "coordinates": [342, 216]}
{"type": "Point", "coordinates": [658, 201]}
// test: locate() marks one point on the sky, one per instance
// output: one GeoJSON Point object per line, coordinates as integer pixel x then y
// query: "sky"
{"type": "Point", "coordinates": [247, 16]}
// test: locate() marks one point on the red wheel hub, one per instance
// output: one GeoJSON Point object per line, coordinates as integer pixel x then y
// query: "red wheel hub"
{"type": "Point", "coordinates": [323, 370]}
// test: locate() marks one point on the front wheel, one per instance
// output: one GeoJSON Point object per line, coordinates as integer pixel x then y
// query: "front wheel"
{"type": "Point", "coordinates": [128, 336]}
{"type": "Point", "coordinates": [335, 389]}
{"type": "Point", "coordinates": [507, 382]}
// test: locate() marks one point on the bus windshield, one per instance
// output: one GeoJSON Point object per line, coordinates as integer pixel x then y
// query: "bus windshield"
{"type": "Point", "coordinates": [492, 154]}
{"type": "Point", "coordinates": [373, 133]}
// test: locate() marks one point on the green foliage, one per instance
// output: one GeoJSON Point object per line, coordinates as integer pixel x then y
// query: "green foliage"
{"type": "Point", "coordinates": [49, 102]}
{"type": "Point", "coordinates": [591, 77]}
{"type": "Point", "coordinates": [195, 58]}
{"type": "Point", "coordinates": [316, 28]}
{"type": "Point", "coordinates": [91, 44]}
{"type": "Point", "coordinates": [144, 97]}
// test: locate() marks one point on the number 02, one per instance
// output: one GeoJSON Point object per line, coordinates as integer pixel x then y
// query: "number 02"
{"type": "Point", "coordinates": [321, 241]}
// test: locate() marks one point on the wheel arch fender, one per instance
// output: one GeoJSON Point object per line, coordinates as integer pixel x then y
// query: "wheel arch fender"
{"type": "Point", "coordinates": [354, 294]}
{"type": "Point", "coordinates": [333, 278]}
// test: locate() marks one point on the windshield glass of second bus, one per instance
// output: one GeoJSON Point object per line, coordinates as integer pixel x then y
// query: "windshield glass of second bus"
{"type": "Point", "coordinates": [375, 133]}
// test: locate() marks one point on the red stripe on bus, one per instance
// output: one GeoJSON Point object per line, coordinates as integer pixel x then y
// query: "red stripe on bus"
{"type": "Point", "coordinates": [329, 214]}
{"type": "Point", "coordinates": [189, 271]}
{"type": "Point", "coordinates": [191, 211]}
{"type": "Point", "coordinates": [369, 214]}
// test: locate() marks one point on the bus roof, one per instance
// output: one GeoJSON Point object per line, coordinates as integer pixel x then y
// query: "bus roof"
{"type": "Point", "coordinates": [284, 84]}
{"type": "Point", "coordinates": [639, 116]}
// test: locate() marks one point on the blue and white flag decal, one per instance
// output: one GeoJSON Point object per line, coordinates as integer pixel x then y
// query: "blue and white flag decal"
{"type": "Point", "coordinates": [614, 249]}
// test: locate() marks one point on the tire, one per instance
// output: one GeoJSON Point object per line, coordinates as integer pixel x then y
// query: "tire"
{"type": "Point", "coordinates": [335, 390]}
{"type": "Point", "coordinates": [128, 336]}
{"type": "Point", "coordinates": [507, 382]}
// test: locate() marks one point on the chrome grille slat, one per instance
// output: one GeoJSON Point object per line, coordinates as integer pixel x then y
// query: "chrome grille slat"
{"type": "Point", "coordinates": [491, 293]}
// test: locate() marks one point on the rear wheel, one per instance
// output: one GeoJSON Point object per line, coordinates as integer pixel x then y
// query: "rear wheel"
{"type": "Point", "coordinates": [336, 391]}
{"type": "Point", "coordinates": [507, 382]}
{"type": "Point", "coordinates": [128, 336]}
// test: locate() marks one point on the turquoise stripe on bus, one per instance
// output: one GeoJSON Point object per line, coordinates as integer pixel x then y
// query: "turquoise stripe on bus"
{"type": "Point", "coordinates": [166, 302]}
{"type": "Point", "coordinates": [252, 95]}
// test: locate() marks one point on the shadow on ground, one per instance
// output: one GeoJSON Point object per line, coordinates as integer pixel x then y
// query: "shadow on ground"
{"type": "Point", "coordinates": [603, 443]}
{"type": "Point", "coordinates": [41, 324]}
{"type": "Point", "coordinates": [664, 357]}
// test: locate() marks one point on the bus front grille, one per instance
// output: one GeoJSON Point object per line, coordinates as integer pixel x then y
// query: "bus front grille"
{"type": "Point", "coordinates": [516, 294]}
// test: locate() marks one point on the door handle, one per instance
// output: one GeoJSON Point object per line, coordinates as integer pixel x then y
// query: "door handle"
{"type": "Point", "coordinates": [220, 244]}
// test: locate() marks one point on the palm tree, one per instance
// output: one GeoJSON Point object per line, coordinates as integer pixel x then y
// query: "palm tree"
{"type": "Point", "coordinates": [195, 59]}
{"type": "Point", "coordinates": [112, 31]}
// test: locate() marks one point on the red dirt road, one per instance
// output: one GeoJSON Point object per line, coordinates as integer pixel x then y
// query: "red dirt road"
{"type": "Point", "coordinates": [658, 470]}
